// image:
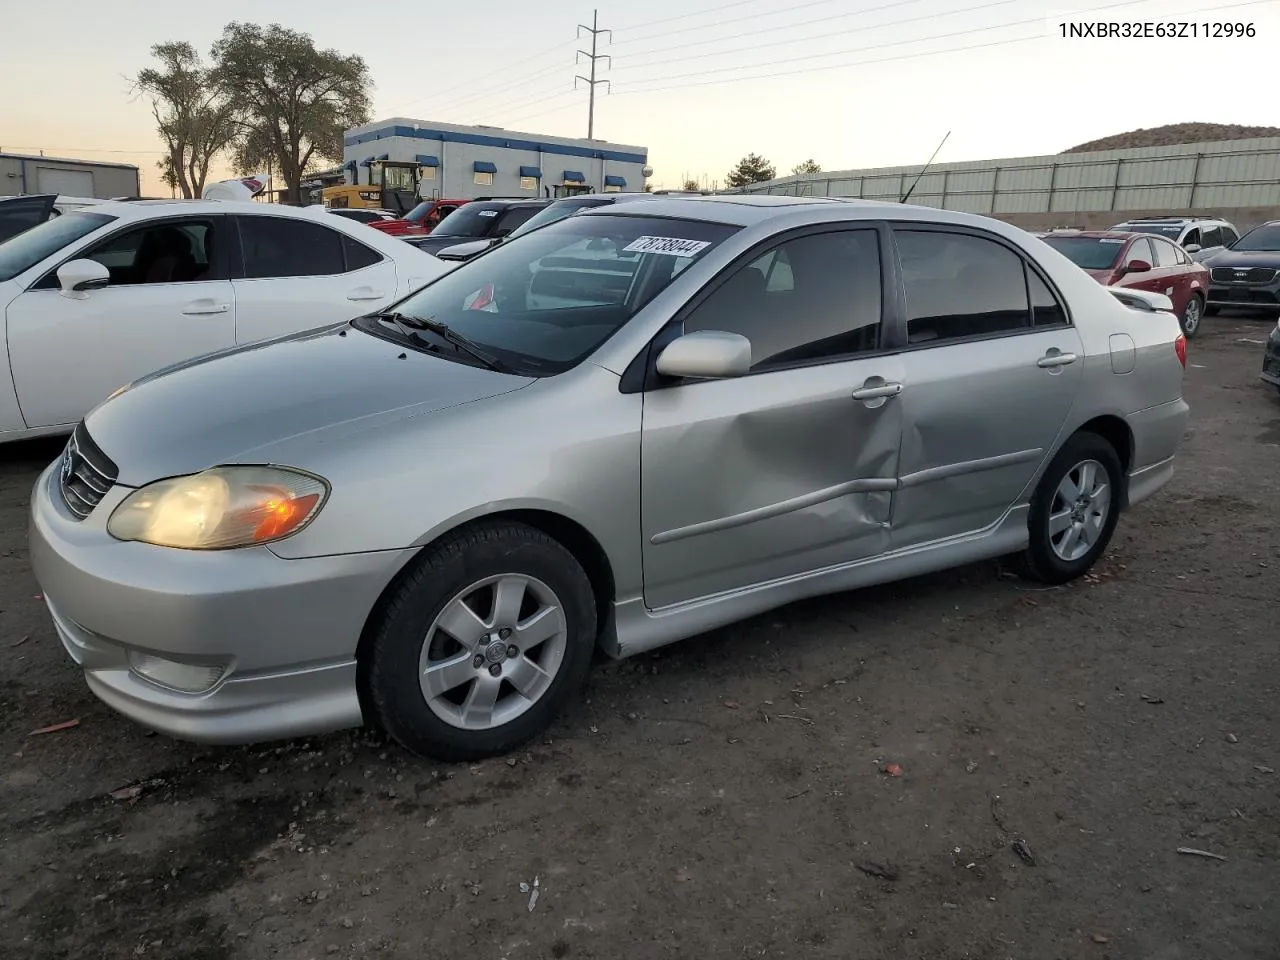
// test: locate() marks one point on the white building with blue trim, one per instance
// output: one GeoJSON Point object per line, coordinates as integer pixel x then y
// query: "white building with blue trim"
{"type": "Point", "coordinates": [456, 162]}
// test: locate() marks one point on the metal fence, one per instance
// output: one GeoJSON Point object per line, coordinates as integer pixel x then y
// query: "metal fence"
{"type": "Point", "coordinates": [1195, 176]}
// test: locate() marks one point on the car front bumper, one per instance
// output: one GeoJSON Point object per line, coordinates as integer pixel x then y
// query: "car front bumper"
{"type": "Point", "coordinates": [1271, 359]}
{"type": "Point", "coordinates": [284, 632]}
{"type": "Point", "coordinates": [1264, 296]}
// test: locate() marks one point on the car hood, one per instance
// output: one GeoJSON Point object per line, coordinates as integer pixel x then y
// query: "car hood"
{"type": "Point", "coordinates": [1245, 258]}
{"type": "Point", "coordinates": [234, 406]}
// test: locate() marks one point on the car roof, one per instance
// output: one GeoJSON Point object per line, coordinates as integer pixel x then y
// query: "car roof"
{"type": "Point", "coordinates": [744, 210]}
{"type": "Point", "coordinates": [1174, 220]}
{"type": "Point", "coordinates": [1094, 234]}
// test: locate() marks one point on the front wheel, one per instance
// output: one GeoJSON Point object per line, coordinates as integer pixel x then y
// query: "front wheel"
{"type": "Point", "coordinates": [1192, 314]}
{"type": "Point", "coordinates": [1074, 510]}
{"type": "Point", "coordinates": [482, 644]}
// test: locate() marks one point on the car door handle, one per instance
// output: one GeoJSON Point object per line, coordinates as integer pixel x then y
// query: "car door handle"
{"type": "Point", "coordinates": [364, 293]}
{"type": "Point", "coordinates": [1056, 359]}
{"type": "Point", "coordinates": [202, 308]}
{"type": "Point", "coordinates": [880, 390]}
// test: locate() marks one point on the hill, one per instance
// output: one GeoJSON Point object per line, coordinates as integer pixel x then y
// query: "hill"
{"type": "Point", "coordinates": [1175, 133]}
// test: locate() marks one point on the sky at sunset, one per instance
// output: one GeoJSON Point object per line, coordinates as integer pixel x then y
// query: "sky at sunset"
{"type": "Point", "coordinates": [850, 83]}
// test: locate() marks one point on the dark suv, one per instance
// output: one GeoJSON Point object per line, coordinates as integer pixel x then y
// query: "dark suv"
{"type": "Point", "coordinates": [478, 220]}
{"type": "Point", "coordinates": [1247, 274]}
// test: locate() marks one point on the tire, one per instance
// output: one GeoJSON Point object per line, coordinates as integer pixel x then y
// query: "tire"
{"type": "Point", "coordinates": [1045, 558]}
{"type": "Point", "coordinates": [1192, 316]}
{"type": "Point", "coordinates": [1211, 311]}
{"type": "Point", "coordinates": [429, 689]}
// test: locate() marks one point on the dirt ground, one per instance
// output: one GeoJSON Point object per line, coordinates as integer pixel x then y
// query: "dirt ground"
{"type": "Point", "coordinates": [725, 798]}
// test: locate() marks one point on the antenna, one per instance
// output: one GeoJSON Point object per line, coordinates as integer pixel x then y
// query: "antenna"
{"type": "Point", "coordinates": [921, 173]}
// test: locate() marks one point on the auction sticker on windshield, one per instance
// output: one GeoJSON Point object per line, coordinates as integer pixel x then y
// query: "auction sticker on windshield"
{"type": "Point", "coordinates": [669, 246]}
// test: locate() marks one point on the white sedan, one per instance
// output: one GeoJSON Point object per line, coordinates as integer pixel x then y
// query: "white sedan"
{"type": "Point", "coordinates": [98, 297]}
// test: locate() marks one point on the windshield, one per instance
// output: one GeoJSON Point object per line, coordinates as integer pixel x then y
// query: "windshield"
{"type": "Point", "coordinates": [1263, 238]}
{"type": "Point", "coordinates": [558, 211]}
{"type": "Point", "coordinates": [546, 303]}
{"type": "Point", "coordinates": [21, 253]}
{"type": "Point", "coordinates": [1151, 228]}
{"type": "Point", "coordinates": [1088, 253]}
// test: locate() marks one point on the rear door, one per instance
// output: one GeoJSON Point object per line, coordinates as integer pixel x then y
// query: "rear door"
{"type": "Point", "coordinates": [992, 367]}
{"type": "Point", "coordinates": [22, 213]}
{"type": "Point", "coordinates": [790, 468]}
{"type": "Point", "coordinates": [298, 274]}
{"type": "Point", "coordinates": [1176, 281]}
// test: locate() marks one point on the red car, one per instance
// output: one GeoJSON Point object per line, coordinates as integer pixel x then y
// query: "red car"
{"type": "Point", "coordinates": [422, 219]}
{"type": "Point", "coordinates": [1139, 260]}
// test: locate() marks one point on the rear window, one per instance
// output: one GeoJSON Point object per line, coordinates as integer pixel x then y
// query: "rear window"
{"type": "Point", "coordinates": [1088, 253]}
{"type": "Point", "coordinates": [472, 220]}
{"type": "Point", "coordinates": [21, 253]}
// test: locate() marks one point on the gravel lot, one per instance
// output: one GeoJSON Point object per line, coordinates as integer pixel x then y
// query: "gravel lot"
{"type": "Point", "coordinates": [725, 798]}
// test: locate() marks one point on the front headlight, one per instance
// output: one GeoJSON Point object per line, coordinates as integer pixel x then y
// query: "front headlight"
{"type": "Point", "coordinates": [220, 508]}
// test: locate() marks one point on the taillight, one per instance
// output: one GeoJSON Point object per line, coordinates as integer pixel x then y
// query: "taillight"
{"type": "Point", "coordinates": [1180, 345]}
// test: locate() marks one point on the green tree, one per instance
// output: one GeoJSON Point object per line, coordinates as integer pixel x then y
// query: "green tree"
{"type": "Point", "coordinates": [293, 101]}
{"type": "Point", "coordinates": [809, 166]}
{"type": "Point", "coordinates": [752, 168]}
{"type": "Point", "coordinates": [691, 185]}
{"type": "Point", "coordinates": [193, 117]}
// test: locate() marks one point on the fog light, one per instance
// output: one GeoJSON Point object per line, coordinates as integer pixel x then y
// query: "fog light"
{"type": "Point", "coordinates": [184, 677]}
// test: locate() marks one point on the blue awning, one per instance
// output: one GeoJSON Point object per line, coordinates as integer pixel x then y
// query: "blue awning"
{"type": "Point", "coordinates": [534, 172]}
{"type": "Point", "coordinates": [612, 181]}
{"type": "Point", "coordinates": [367, 161]}
{"type": "Point", "coordinates": [427, 161]}
{"type": "Point", "coordinates": [573, 176]}
{"type": "Point", "coordinates": [484, 166]}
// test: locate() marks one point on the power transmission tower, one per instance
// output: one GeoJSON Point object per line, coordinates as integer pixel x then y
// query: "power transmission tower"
{"type": "Point", "coordinates": [591, 81]}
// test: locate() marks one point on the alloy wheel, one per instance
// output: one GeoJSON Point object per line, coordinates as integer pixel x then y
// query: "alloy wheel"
{"type": "Point", "coordinates": [1081, 506]}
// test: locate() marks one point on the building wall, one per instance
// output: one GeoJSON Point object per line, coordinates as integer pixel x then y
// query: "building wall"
{"type": "Point", "coordinates": [456, 149]}
{"type": "Point", "coordinates": [21, 174]}
{"type": "Point", "coordinates": [1218, 177]}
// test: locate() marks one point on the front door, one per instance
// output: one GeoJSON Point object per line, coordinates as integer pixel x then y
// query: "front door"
{"type": "Point", "coordinates": [790, 468]}
{"type": "Point", "coordinates": [991, 371]}
{"type": "Point", "coordinates": [168, 300]}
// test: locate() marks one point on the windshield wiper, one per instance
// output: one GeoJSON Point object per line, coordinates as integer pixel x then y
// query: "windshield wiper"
{"type": "Point", "coordinates": [407, 324]}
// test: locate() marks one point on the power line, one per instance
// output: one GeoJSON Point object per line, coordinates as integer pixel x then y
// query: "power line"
{"type": "Point", "coordinates": [686, 16]}
{"type": "Point", "coordinates": [840, 16]}
{"type": "Point", "coordinates": [595, 30]}
{"type": "Point", "coordinates": [556, 50]}
{"type": "Point", "coordinates": [905, 56]}
{"type": "Point", "coordinates": [891, 43]}
{"type": "Point", "coordinates": [481, 96]}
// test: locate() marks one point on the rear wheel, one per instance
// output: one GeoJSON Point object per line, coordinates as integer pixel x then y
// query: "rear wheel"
{"type": "Point", "coordinates": [1192, 314]}
{"type": "Point", "coordinates": [482, 644]}
{"type": "Point", "coordinates": [1074, 510]}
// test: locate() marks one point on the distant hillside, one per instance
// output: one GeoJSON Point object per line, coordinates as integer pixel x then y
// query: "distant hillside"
{"type": "Point", "coordinates": [1176, 133]}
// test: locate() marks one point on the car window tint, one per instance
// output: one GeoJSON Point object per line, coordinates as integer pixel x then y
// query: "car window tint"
{"type": "Point", "coordinates": [1046, 309]}
{"type": "Point", "coordinates": [1212, 237]}
{"type": "Point", "coordinates": [511, 219]}
{"type": "Point", "coordinates": [1166, 253]}
{"type": "Point", "coordinates": [1193, 236]}
{"type": "Point", "coordinates": [1229, 236]}
{"type": "Point", "coordinates": [276, 247]}
{"type": "Point", "coordinates": [1140, 250]}
{"type": "Point", "coordinates": [960, 286]}
{"type": "Point", "coordinates": [810, 298]}
{"type": "Point", "coordinates": [24, 251]}
{"type": "Point", "coordinates": [167, 251]}
{"type": "Point", "coordinates": [358, 255]}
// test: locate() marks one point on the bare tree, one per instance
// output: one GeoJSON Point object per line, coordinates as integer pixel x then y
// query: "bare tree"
{"type": "Point", "coordinates": [193, 117]}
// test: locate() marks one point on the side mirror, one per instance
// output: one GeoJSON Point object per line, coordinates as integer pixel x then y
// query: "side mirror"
{"type": "Point", "coordinates": [706, 355]}
{"type": "Point", "coordinates": [1193, 248]}
{"type": "Point", "coordinates": [79, 276]}
{"type": "Point", "coordinates": [1137, 266]}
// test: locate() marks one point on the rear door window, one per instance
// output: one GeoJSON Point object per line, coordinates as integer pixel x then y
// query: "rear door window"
{"type": "Point", "coordinates": [279, 247]}
{"type": "Point", "coordinates": [1166, 253]}
{"type": "Point", "coordinates": [1140, 250]}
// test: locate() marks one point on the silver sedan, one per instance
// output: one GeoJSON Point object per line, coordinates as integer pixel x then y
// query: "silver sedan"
{"type": "Point", "coordinates": [624, 429]}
